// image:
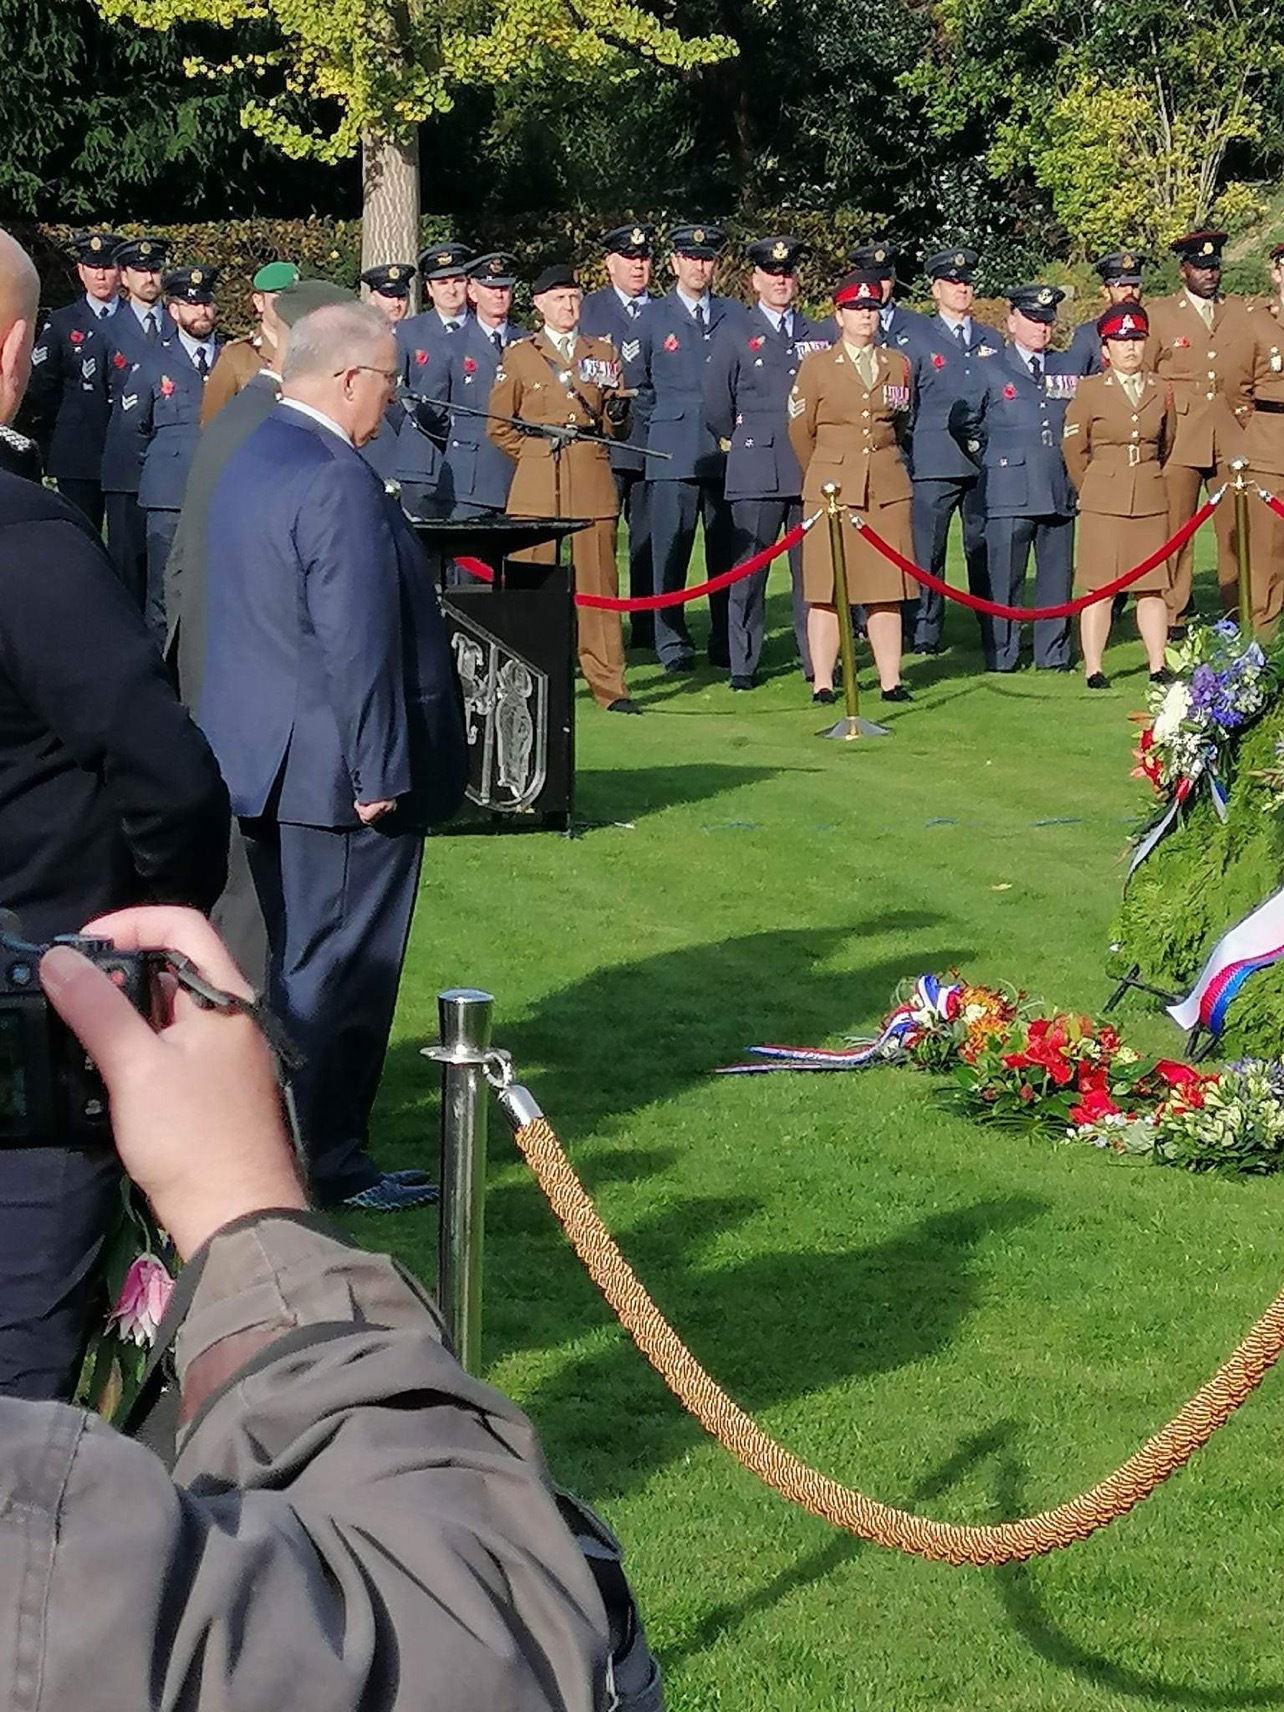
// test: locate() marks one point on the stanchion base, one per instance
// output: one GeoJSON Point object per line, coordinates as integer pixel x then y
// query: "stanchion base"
{"type": "Point", "coordinates": [849, 729]}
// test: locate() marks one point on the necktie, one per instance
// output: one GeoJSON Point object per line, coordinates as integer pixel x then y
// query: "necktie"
{"type": "Point", "coordinates": [865, 365]}
{"type": "Point", "coordinates": [103, 313]}
{"type": "Point", "coordinates": [1206, 310]}
{"type": "Point", "coordinates": [202, 363]}
{"type": "Point", "coordinates": [452, 326]}
{"type": "Point", "coordinates": [151, 331]}
{"type": "Point", "coordinates": [497, 339]}
{"type": "Point", "coordinates": [960, 335]}
{"type": "Point", "coordinates": [634, 308]}
{"type": "Point", "coordinates": [1132, 386]}
{"type": "Point", "coordinates": [698, 316]}
{"type": "Point", "coordinates": [787, 325]}
{"type": "Point", "coordinates": [1036, 369]}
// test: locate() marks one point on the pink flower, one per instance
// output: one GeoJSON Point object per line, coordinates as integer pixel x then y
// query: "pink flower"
{"type": "Point", "coordinates": [76, 336]}
{"type": "Point", "coordinates": [470, 365]}
{"type": "Point", "coordinates": [421, 357]}
{"type": "Point", "coordinates": [757, 342]}
{"type": "Point", "coordinates": [938, 361]}
{"type": "Point", "coordinates": [671, 343]}
{"type": "Point", "coordinates": [1009, 391]}
{"type": "Point", "coordinates": [144, 1297]}
{"type": "Point", "coordinates": [166, 386]}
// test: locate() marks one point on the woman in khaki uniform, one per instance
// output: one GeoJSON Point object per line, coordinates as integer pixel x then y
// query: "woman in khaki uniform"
{"type": "Point", "coordinates": [563, 380]}
{"type": "Point", "coordinates": [1264, 449]}
{"type": "Point", "coordinates": [846, 411]}
{"type": "Point", "coordinates": [1118, 433]}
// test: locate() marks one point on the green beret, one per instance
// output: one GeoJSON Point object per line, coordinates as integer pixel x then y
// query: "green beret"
{"type": "Point", "coordinates": [275, 276]}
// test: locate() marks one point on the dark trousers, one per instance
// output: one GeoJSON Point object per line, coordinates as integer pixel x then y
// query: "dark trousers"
{"type": "Point", "coordinates": [419, 499]}
{"type": "Point", "coordinates": [162, 526]}
{"type": "Point", "coordinates": [676, 507]}
{"type": "Point", "coordinates": [1008, 543]}
{"type": "Point", "coordinates": [88, 495]}
{"type": "Point", "coordinates": [635, 508]}
{"type": "Point", "coordinates": [56, 1204]}
{"type": "Point", "coordinates": [756, 523]}
{"type": "Point", "coordinates": [127, 542]}
{"type": "Point", "coordinates": [337, 904]}
{"type": "Point", "coordinates": [934, 504]}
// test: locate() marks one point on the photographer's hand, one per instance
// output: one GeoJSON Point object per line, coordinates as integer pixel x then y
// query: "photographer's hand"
{"type": "Point", "coordinates": [195, 1108]}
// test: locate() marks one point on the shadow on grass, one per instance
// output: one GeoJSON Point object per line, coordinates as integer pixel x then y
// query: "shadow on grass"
{"type": "Point", "coordinates": [630, 793]}
{"type": "Point", "coordinates": [1019, 1594]}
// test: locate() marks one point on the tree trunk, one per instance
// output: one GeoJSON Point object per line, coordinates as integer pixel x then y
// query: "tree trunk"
{"type": "Point", "coordinates": [390, 201]}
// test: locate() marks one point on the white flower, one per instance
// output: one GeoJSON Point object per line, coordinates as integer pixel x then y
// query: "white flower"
{"type": "Point", "coordinates": [1173, 710]}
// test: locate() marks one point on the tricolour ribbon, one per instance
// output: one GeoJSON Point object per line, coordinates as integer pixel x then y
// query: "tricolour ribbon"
{"type": "Point", "coordinates": [931, 1001]}
{"type": "Point", "coordinates": [1253, 943]}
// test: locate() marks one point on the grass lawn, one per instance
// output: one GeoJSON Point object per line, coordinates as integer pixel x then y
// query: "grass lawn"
{"type": "Point", "coordinates": [955, 1319]}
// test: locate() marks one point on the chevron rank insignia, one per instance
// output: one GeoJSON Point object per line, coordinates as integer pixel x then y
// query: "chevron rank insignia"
{"type": "Point", "coordinates": [1070, 430]}
{"type": "Point", "coordinates": [631, 349]}
{"type": "Point", "coordinates": [129, 401]}
{"type": "Point", "coordinates": [796, 405]}
{"type": "Point", "coordinates": [39, 354]}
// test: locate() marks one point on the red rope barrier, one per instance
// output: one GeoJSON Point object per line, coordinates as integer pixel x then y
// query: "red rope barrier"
{"type": "Point", "coordinates": [679, 597]}
{"type": "Point", "coordinates": [1271, 500]}
{"type": "Point", "coordinates": [1023, 614]}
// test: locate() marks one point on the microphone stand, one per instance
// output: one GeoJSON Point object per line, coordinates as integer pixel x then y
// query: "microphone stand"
{"type": "Point", "coordinates": [560, 434]}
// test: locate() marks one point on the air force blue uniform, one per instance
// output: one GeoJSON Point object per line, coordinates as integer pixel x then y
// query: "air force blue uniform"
{"type": "Point", "coordinates": [476, 475]}
{"type": "Point", "coordinates": [328, 681]}
{"type": "Point", "coordinates": [170, 388]}
{"type": "Point", "coordinates": [127, 347]}
{"type": "Point", "coordinates": [1084, 350]}
{"type": "Point", "coordinates": [424, 347]}
{"type": "Point", "coordinates": [69, 402]}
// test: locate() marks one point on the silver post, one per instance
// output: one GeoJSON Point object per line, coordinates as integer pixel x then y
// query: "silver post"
{"type": "Point", "coordinates": [465, 1016]}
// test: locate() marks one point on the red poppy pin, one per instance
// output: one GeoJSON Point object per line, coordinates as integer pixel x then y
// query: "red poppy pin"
{"type": "Point", "coordinates": [671, 343]}
{"type": "Point", "coordinates": [1180, 344]}
{"type": "Point", "coordinates": [166, 386]}
{"type": "Point", "coordinates": [421, 357]}
{"type": "Point", "coordinates": [76, 336]}
{"type": "Point", "coordinates": [938, 361]}
{"type": "Point", "coordinates": [757, 342]}
{"type": "Point", "coordinates": [470, 365]}
{"type": "Point", "coordinates": [1009, 391]}
{"type": "Point", "coordinates": [120, 360]}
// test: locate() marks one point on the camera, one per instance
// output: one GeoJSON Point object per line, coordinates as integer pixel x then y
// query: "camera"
{"type": "Point", "coordinates": [50, 1093]}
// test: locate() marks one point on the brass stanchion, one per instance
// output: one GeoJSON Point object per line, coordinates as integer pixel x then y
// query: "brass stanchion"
{"type": "Point", "coordinates": [1243, 562]}
{"type": "Point", "coordinates": [851, 725]}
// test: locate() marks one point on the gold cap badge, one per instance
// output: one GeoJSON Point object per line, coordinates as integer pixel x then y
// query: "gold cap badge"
{"type": "Point", "coordinates": [960, 260]}
{"type": "Point", "coordinates": [496, 265]}
{"type": "Point", "coordinates": [637, 236]}
{"type": "Point", "coordinates": [1128, 261]}
{"type": "Point", "coordinates": [779, 251]}
{"type": "Point", "coordinates": [698, 234]}
{"type": "Point", "coordinates": [394, 274]}
{"type": "Point", "coordinates": [1045, 296]}
{"type": "Point", "coordinates": [197, 276]}
{"type": "Point", "coordinates": [95, 243]}
{"type": "Point", "coordinates": [880, 254]}
{"type": "Point", "coordinates": [1206, 249]}
{"type": "Point", "coordinates": [443, 258]}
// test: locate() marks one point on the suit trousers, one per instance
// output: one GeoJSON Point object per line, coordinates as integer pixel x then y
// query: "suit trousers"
{"type": "Point", "coordinates": [599, 634]}
{"type": "Point", "coordinates": [162, 526]}
{"type": "Point", "coordinates": [337, 903]}
{"type": "Point", "coordinates": [676, 508]}
{"type": "Point", "coordinates": [756, 523]}
{"type": "Point", "coordinates": [1183, 485]}
{"type": "Point", "coordinates": [127, 543]}
{"type": "Point", "coordinates": [88, 495]}
{"type": "Point", "coordinates": [1008, 544]}
{"type": "Point", "coordinates": [935, 503]}
{"type": "Point", "coordinates": [56, 1206]}
{"type": "Point", "coordinates": [634, 496]}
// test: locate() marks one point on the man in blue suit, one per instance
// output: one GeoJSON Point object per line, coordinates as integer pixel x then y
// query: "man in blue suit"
{"type": "Point", "coordinates": [424, 344]}
{"type": "Point", "coordinates": [615, 313]}
{"type": "Point", "coordinates": [1120, 275]}
{"type": "Point", "coordinates": [66, 396]}
{"type": "Point", "coordinates": [330, 700]}
{"type": "Point", "coordinates": [1011, 427]}
{"type": "Point", "coordinates": [133, 333]}
{"type": "Point", "coordinates": [167, 390]}
{"type": "Point", "coordinates": [476, 475]}
{"type": "Point", "coordinates": [746, 397]}
{"type": "Point", "coordinates": [947, 352]}
{"type": "Point", "coordinates": [675, 344]}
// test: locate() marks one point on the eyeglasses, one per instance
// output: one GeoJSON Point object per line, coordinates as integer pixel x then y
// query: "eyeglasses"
{"type": "Point", "coordinates": [392, 376]}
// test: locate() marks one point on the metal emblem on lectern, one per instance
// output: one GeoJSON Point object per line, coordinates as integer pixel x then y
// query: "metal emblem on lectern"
{"type": "Point", "coordinates": [505, 718]}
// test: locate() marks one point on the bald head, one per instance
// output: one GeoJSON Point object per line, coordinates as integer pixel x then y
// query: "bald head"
{"type": "Point", "coordinates": [19, 298]}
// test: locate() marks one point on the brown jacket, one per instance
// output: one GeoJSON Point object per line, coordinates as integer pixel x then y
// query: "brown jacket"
{"type": "Point", "coordinates": [533, 383]}
{"type": "Point", "coordinates": [1208, 369]}
{"type": "Point", "coordinates": [238, 362]}
{"type": "Point", "coordinates": [1264, 429]}
{"type": "Point", "coordinates": [1115, 454]}
{"type": "Point", "coordinates": [352, 1521]}
{"type": "Point", "coordinates": [843, 432]}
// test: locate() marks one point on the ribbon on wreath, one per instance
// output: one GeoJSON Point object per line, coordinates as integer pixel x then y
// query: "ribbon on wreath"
{"type": "Point", "coordinates": [1253, 943]}
{"type": "Point", "coordinates": [930, 1001]}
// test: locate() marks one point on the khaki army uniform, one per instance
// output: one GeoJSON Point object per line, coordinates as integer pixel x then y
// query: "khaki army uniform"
{"type": "Point", "coordinates": [844, 431]}
{"type": "Point", "coordinates": [1264, 449]}
{"type": "Point", "coordinates": [1114, 452]}
{"type": "Point", "coordinates": [1208, 369]}
{"type": "Point", "coordinates": [238, 363]}
{"type": "Point", "coordinates": [537, 385]}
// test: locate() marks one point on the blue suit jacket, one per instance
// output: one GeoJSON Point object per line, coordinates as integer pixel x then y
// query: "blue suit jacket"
{"type": "Point", "coordinates": [1011, 426]}
{"type": "Point", "coordinates": [169, 391]}
{"type": "Point", "coordinates": [668, 373]}
{"type": "Point", "coordinates": [127, 347]}
{"type": "Point", "coordinates": [68, 401]}
{"type": "Point", "coordinates": [746, 400]}
{"type": "Point", "coordinates": [901, 323]}
{"type": "Point", "coordinates": [475, 471]}
{"type": "Point", "coordinates": [328, 676]}
{"type": "Point", "coordinates": [1084, 350]}
{"type": "Point", "coordinates": [603, 316]}
{"type": "Point", "coordinates": [424, 346]}
{"type": "Point", "coordinates": [942, 372]}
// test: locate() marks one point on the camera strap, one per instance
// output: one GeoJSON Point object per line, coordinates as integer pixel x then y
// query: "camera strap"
{"type": "Point", "coordinates": [210, 997]}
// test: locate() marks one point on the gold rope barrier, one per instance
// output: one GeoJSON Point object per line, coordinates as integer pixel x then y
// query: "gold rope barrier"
{"type": "Point", "coordinates": [940, 1542]}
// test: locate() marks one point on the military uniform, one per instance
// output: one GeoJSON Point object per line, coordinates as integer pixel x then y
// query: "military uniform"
{"type": "Point", "coordinates": [847, 432]}
{"type": "Point", "coordinates": [476, 475]}
{"type": "Point", "coordinates": [241, 359]}
{"type": "Point", "coordinates": [423, 346]}
{"type": "Point", "coordinates": [68, 401]}
{"type": "Point", "coordinates": [1264, 449]}
{"type": "Point", "coordinates": [1012, 426]}
{"type": "Point", "coordinates": [1114, 452]}
{"type": "Point", "coordinates": [746, 392]}
{"type": "Point", "coordinates": [1122, 268]}
{"type": "Point", "coordinates": [392, 283]}
{"type": "Point", "coordinates": [537, 384]}
{"type": "Point", "coordinates": [1208, 365]}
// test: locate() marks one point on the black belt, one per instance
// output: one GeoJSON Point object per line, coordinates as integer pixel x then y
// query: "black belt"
{"type": "Point", "coordinates": [1269, 407]}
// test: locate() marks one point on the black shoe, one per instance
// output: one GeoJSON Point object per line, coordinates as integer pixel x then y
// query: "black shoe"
{"type": "Point", "coordinates": [825, 697]}
{"type": "Point", "coordinates": [680, 668]}
{"type": "Point", "coordinates": [1098, 681]}
{"type": "Point", "coordinates": [1177, 632]}
{"type": "Point", "coordinates": [640, 642]}
{"type": "Point", "coordinates": [741, 683]}
{"type": "Point", "coordinates": [623, 704]}
{"type": "Point", "coordinates": [898, 692]}
{"type": "Point", "coordinates": [1162, 676]}
{"type": "Point", "coordinates": [928, 648]}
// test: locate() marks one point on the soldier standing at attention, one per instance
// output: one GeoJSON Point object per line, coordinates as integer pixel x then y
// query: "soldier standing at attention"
{"type": "Point", "coordinates": [1120, 276]}
{"type": "Point", "coordinates": [241, 359]}
{"type": "Point", "coordinates": [562, 380]}
{"type": "Point", "coordinates": [846, 412]}
{"type": "Point", "coordinates": [423, 346]}
{"type": "Point", "coordinates": [615, 313]}
{"type": "Point", "coordinates": [1011, 427]}
{"type": "Point", "coordinates": [947, 353]}
{"type": "Point", "coordinates": [1117, 433]}
{"type": "Point", "coordinates": [746, 395]}
{"type": "Point", "coordinates": [1264, 449]}
{"type": "Point", "coordinates": [477, 474]}
{"type": "Point", "coordinates": [668, 374]}
{"type": "Point", "coordinates": [894, 322]}
{"type": "Point", "coordinates": [1202, 345]}
{"type": "Point", "coordinates": [389, 289]}
{"type": "Point", "coordinates": [66, 394]}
